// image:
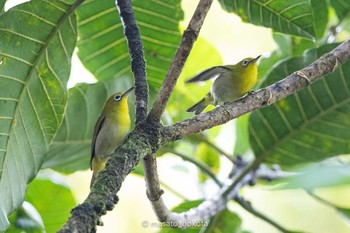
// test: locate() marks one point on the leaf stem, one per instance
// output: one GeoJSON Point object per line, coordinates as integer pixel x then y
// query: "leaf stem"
{"type": "Point", "coordinates": [248, 207]}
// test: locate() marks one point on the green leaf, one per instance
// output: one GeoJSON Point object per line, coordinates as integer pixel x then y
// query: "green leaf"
{"type": "Point", "coordinates": [311, 125]}
{"type": "Point", "coordinates": [70, 150]}
{"type": "Point", "coordinates": [341, 8]}
{"type": "Point", "coordinates": [291, 45]}
{"type": "Point", "coordinates": [102, 45]}
{"type": "Point", "coordinates": [242, 144]}
{"type": "Point", "coordinates": [34, 69]}
{"type": "Point", "coordinates": [26, 219]}
{"type": "Point", "coordinates": [345, 213]}
{"type": "Point", "coordinates": [318, 176]}
{"type": "Point", "coordinates": [296, 17]}
{"type": "Point", "coordinates": [2, 6]}
{"type": "Point", "coordinates": [52, 199]}
{"type": "Point", "coordinates": [209, 156]}
{"type": "Point", "coordinates": [225, 221]}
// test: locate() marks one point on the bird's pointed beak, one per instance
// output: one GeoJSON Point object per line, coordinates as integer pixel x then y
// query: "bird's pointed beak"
{"type": "Point", "coordinates": [128, 91]}
{"type": "Point", "coordinates": [255, 59]}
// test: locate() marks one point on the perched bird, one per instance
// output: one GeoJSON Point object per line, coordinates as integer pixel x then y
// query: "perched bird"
{"type": "Point", "coordinates": [232, 82]}
{"type": "Point", "coordinates": [110, 130]}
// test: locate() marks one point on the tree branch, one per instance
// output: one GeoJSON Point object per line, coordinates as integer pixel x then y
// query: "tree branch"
{"type": "Point", "coordinates": [263, 97]}
{"type": "Point", "coordinates": [189, 37]}
{"type": "Point", "coordinates": [138, 66]}
{"type": "Point", "coordinates": [148, 137]}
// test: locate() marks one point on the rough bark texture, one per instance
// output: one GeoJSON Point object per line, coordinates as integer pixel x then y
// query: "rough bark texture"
{"type": "Point", "coordinates": [149, 135]}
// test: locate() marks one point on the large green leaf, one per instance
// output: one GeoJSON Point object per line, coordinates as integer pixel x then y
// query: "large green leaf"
{"type": "Point", "coordinates": [52, 199]}
{"type": "Point", "coordinates": [341, 7]}
{"type": "Point", "coordinates": [26, 219]}
{"type": "Point", "coordinates": [307, 18]}
{"type": "Point", "coordinates": [47, 205]}
{"type": "Point", "coordinates": [2, 5]}
{"type": "Point", "coordinates": [70, 150]}
{"type": "Point", "coordinates": [34, 69]}
{"type": "Point", "coordinates": [318, 176]}
{"type": "Point", "coordinates": [102, 45]}
{"type": "Point", "coordinates": [292, 45]}
{"type": "Point", "coordinates": [311, 125]}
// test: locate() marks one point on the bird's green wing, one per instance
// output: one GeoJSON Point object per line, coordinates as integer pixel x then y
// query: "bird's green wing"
{"type": "Point", "coordinates": [209, 74]}
{"type": "Point", "coordinates": [97, 129]}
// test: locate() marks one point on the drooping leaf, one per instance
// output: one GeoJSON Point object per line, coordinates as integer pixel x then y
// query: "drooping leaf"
{"type": "Point", "coordinates": [242, 135]}
{"type": "Point", "coordinates": [52, 199]}
{"type": "Point", "coordinates": [296, 17]}
{"type": "Point", "coordinates": [341, 7]}
{"type": "Point", "coordinates": [70, 150]}
{"type": "Point", "coordinates": [208, 156]}
{"type": "Point", "coordinates": [318, 176]}
{"type": "Point", "coordinates": [26, 219]}
{"type": "Point", "coordinates": [308, 126]}
{"type": "Point", "coordinates": [102, 45]}
{"type": "Point", "coordinates": [34, 69]}
{"type": "Point", "coordinates": [345, 213]}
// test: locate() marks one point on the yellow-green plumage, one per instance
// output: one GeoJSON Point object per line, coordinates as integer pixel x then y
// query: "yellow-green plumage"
{"type": "Point", "coordinates": [231, 83]}
{"type": "Point", "coordinates": [110, 131]}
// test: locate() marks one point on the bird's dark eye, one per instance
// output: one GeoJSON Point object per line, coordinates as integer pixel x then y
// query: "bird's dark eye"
{"type": "Point", "coordinates": [117, 97]}
{"type": "Point", "coordinates": [245, 62]}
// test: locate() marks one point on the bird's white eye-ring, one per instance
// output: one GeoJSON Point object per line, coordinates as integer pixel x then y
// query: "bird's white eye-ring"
{"type": "Point", "coordinates": [117, 97]}
{"type": "Point", "coordinates": [245, 62]}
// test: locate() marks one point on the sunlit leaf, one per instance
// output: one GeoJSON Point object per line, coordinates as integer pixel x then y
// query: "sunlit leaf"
{"type": "Point", "coordinates": [52, 199]}
{"type": "Point", "coordinates": [318, 176]}
{"type": "Point", "coordinates": [345, 213]}
{"type": "Point", "coordinates": [291, 45]}
{"type": "Point", "coordinates": [34, 69]}
{"type": "Point", "coordinates": [102, 45]}
{"type": "Point", "coordinates": [296, 17]}
{"type": "Point", "coordinates": [26, 219]}
{"type": "Point", "coordinates": [308, 126]}
{"type": "Point", "coordinates": [341, 7]}
{"type": "Point", "coordinates": [208, 156]}
{"type": "Point", "coordinates": [242, 135]}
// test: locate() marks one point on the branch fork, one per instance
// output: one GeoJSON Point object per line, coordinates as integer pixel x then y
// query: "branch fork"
{"type": "Point", "coordinates": [149, 135]}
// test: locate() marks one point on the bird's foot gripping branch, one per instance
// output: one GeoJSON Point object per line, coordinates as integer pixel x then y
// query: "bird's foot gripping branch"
{"type": "Point", "coordinates": [149, 135]}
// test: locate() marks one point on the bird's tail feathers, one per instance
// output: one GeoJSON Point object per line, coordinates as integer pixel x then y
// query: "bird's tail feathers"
{"type": "Point", "coordinates": [201, 105]}
{"type": "Point", "coordinates": [93, 179]}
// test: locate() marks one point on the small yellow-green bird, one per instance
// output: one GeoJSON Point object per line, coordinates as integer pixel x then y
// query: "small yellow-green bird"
{"type": "Point", "coordinates": [231, 83]}
{"type": "Point", "coordinates": [110, 130]}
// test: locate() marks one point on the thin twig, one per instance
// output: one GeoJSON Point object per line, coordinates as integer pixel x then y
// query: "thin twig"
{"type": "Point", "coordinates": [138, 65]}
{"type": "Point", "coordinates": [189, 37]}
{"type": "Point", "coordinates": [207, 141]}
{"type": "Point", "coordinates": [148, 138]}
{"type": "Point", "coordinates": [248, 207]}
{"type": "Point", "coordinates": [202, 166]}
{"type": "Point", "coordinates": [263, 97]}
